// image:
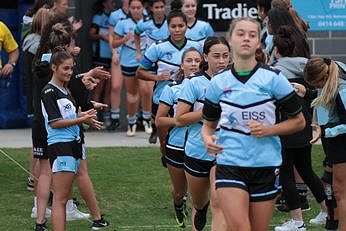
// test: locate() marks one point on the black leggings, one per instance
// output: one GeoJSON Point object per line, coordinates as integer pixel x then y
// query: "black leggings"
{"type": "Point", "coordinates": [301, 159]}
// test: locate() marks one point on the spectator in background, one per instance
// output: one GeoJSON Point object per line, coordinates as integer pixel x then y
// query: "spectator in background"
{"type": "Point", "coordinates": [263, 6]}
{"type": "Point", "coordinates": [102, 53]}
{"type": "Point", "coordinates": [11, 47]}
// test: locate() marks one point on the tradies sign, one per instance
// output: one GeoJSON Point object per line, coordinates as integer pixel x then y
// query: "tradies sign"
{"type": "Point", "coordinates": [220, 13]}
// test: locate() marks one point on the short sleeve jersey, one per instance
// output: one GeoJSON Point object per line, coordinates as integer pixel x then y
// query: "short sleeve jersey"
{"type": "Point", "coordinates": [6, 40]}
{"type": "Point", "coordinates": [101, 48]}
{"type": "Point", "coordinates": [116, 16]}
{"type": "Point", "coordinates": [167, 56]}
{"type": "Point", "coordinates": [128, 50]}
{"type": "Point", "coordinates": [154, 32]}
{"type": "Point", "coordinates": [176, 135]}
{"type": "Point", "coordinates": [58, 104]}
{"type": "Point", "coordinates": [199, 31]}
{"type": "Point", "coordinates": [240, 100]}
{"type": "Point", "coordinates": [193, 93]}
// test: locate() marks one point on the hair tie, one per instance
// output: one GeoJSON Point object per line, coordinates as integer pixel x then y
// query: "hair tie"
{"type": "Point", "coordinates": [327, 61]}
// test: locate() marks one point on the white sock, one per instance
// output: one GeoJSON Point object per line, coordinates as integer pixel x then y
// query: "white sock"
{"type": "Point", "coordinates": [35, 201]}
{"type": "Point", "coordinates": [69, 205]}
{"type": "Point", "coordinates": [298, 223]}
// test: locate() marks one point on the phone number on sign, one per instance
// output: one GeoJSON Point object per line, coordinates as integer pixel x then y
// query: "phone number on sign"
{"type": "Point", "coordinates": [326, 23]}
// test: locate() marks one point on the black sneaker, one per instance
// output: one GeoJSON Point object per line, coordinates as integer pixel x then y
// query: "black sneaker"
{"type": "Point", "coordinates": [153, 137]}
{"type": "Point", "coordinates": [179, 215]}
{"type": "Point", "coordinates": [40, 227]}
{"type": "Point", "coordinates": [201, 217]}
{"type": "Point", "coordinates": [115, 123]}
{"type": "Point", "coordinates": [99, 224]}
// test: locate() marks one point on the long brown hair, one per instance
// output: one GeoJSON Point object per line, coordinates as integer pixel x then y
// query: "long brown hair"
{"type": "Point", "coordinates": [315, 70]}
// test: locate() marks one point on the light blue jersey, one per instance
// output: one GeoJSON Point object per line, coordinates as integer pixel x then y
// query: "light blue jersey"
{"type": "Point", "coordinates": [176, 135]}
{"type": "Point", "coordinates": [100, 47]}
{"type": "Point", "coordinates": [116, 16]}
{"type": "Point", "coordinates": [199, 31]}
{"type": "Point", "coordinates": [58, 104]}
{"type": "Point", "coordinates": [128, 50]}
{"type": "Point", "coordinates": [193, 93]}
{"type": "Point", "coordinates": [239, 99]}
{"type": "Point", "coordinates": [154, 32]}
{"type": "Point", "coordinates": [167, 56]}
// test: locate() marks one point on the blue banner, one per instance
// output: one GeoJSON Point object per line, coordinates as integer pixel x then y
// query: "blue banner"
{"type": "Point", "coordinates": [322, 15]}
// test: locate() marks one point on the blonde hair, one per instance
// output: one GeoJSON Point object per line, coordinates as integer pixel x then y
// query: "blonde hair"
{"type": "Point", "coordinates": [315, 70]}
{"type": "Point", "coordinates": [40, 19]}
{"type": "Point", "coordinates": [236, 20]}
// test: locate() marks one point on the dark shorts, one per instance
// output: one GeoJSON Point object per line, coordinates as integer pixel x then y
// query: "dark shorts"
{"type": "Point", "coordinates": [335, 148]}
{"type": "Point", "coordinates": [260, 183]}
{"type": "Point", "coordinates": [129, 71]}
{"type": "Point", "coordinates": [39, 140]}
{"type": "Point", "coordinates": [65, 149]}
{"type": "Point", "coordinates": [175, 157]}
{"type": "Point", "coordinates": [197, 167]}
{"type": "Point", "coordinates": [102, 62]}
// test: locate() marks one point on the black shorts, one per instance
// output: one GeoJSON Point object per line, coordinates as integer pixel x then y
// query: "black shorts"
{"type": "Point", "coordinates": [335, 148]}
{"type": "Point", "coordinates": [39, 140]}
{"type": "Point", "coordinates": [129, 71]}
{"type": "Point", "coordinates": [326, 161]}
{"type": "Point", "coordinates": [175, 157]}
{"type": "Point", "coordinates": [102, 62]}
{"type": "Point", "coordinates": [73, 148]}
{"type": "Point", "coordinates": [262, 184]}
{"type": "Point", "coordinates": [197, 167]}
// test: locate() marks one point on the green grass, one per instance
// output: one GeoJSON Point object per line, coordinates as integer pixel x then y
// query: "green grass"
{"type": "Point", "coordinates": [132, 188]}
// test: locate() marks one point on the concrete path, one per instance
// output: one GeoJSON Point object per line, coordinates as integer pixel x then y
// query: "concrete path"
{"type": "Point", "coordinates": [18, 138]}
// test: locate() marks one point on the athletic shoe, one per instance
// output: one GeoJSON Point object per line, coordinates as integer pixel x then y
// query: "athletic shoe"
{"type": "Point", "coordinates": [147, 126]}
{"type": "Point", "coordinates": [153, 138]}
{"type": "Point", "coordinates": [201, 217]}
{"type": "Point", "coordinates": [131, 130]}
{"type": "Point", "coordinates": [115, 123]}
{"type": "Point", "coordinates": [74, 214]}
{"type": "Point", "coordinates": [179, 215]}
{"type": "Point", "coordinates": [291, 225]}
{"type": "Point", "coordinates": [34, 212]}
{"type": "Point", "coordinates": [30, 184]}
{"type": "Point", "coordinates": [320, 219]}
{"type": "Point", "coordinates": [99, 224]}
{"type": "Point", "coordinates": [186, 209]}
{"type": "Point", "coordinates": [41, 227]}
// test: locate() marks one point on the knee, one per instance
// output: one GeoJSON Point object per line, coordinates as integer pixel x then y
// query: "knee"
{"type": "Point", "coordinates": [132, 98]}
{"type": "Point", "coordinates": [214, 202]}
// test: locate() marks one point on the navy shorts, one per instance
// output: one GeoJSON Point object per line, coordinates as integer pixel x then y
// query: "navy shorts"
{"type": "Point", "coordinates": [39, 140]}
{"type": "Point", "coordinates": [262, 184]}
{"type": "Point", "coordinates": [197, 167]}
{"type": "Point", "coordinates": [335, 148]}
{"type": "Point", "coordinates": [129, 71]}
{"type": "Point", "coordinates": [175, 157]}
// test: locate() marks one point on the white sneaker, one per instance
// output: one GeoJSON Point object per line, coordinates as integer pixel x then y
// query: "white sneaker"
{"type": "Point", "coordinates": [75, 214]}
{"type": "Point", "coordinates": [34, 212]}
{"type": "Point", "coordinates": [147, 126]}
{"type": "Point", "coordinates": [320, 219]}
{"type": "Point", "coordinates": [290, 225]}
{"type": "Point", "coordinates": [131, 130]}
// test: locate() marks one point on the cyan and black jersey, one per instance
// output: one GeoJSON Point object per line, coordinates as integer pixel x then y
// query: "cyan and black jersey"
{"type": "Point", "coordinates": [176, 135]}
{"type": "Point", "coordinates": [234, 100]}
{"type": "Point", "coordinates": [101, 49]}
{"type": "Point", "coordinates": [128, 50]}
{"type": "Point", "coordinates": [116, 16]}
{"type": "Point", "coordinates": [199, 31]}
{"type": "Point", "coordinates": [58, 104]}
{"type": "Point", "coordinates": [153, 31]}
{"type": "Point", "coordinates": [167, 57]}
{"type": "Point", "coordinates": [193, 93]}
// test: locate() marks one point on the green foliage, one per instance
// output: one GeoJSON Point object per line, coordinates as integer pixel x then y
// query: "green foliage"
{"type": "Point", "coordinates": [132, 187]}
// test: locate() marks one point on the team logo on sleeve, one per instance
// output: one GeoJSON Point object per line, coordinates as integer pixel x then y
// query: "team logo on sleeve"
{"type": "Point", "coordinates": [67, 107]}
{"type": "Point", "coordinates": [169, 55]}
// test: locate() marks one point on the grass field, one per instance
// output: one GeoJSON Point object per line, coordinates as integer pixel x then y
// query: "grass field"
{"type": "Point", "coordinates": [132, 188]}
